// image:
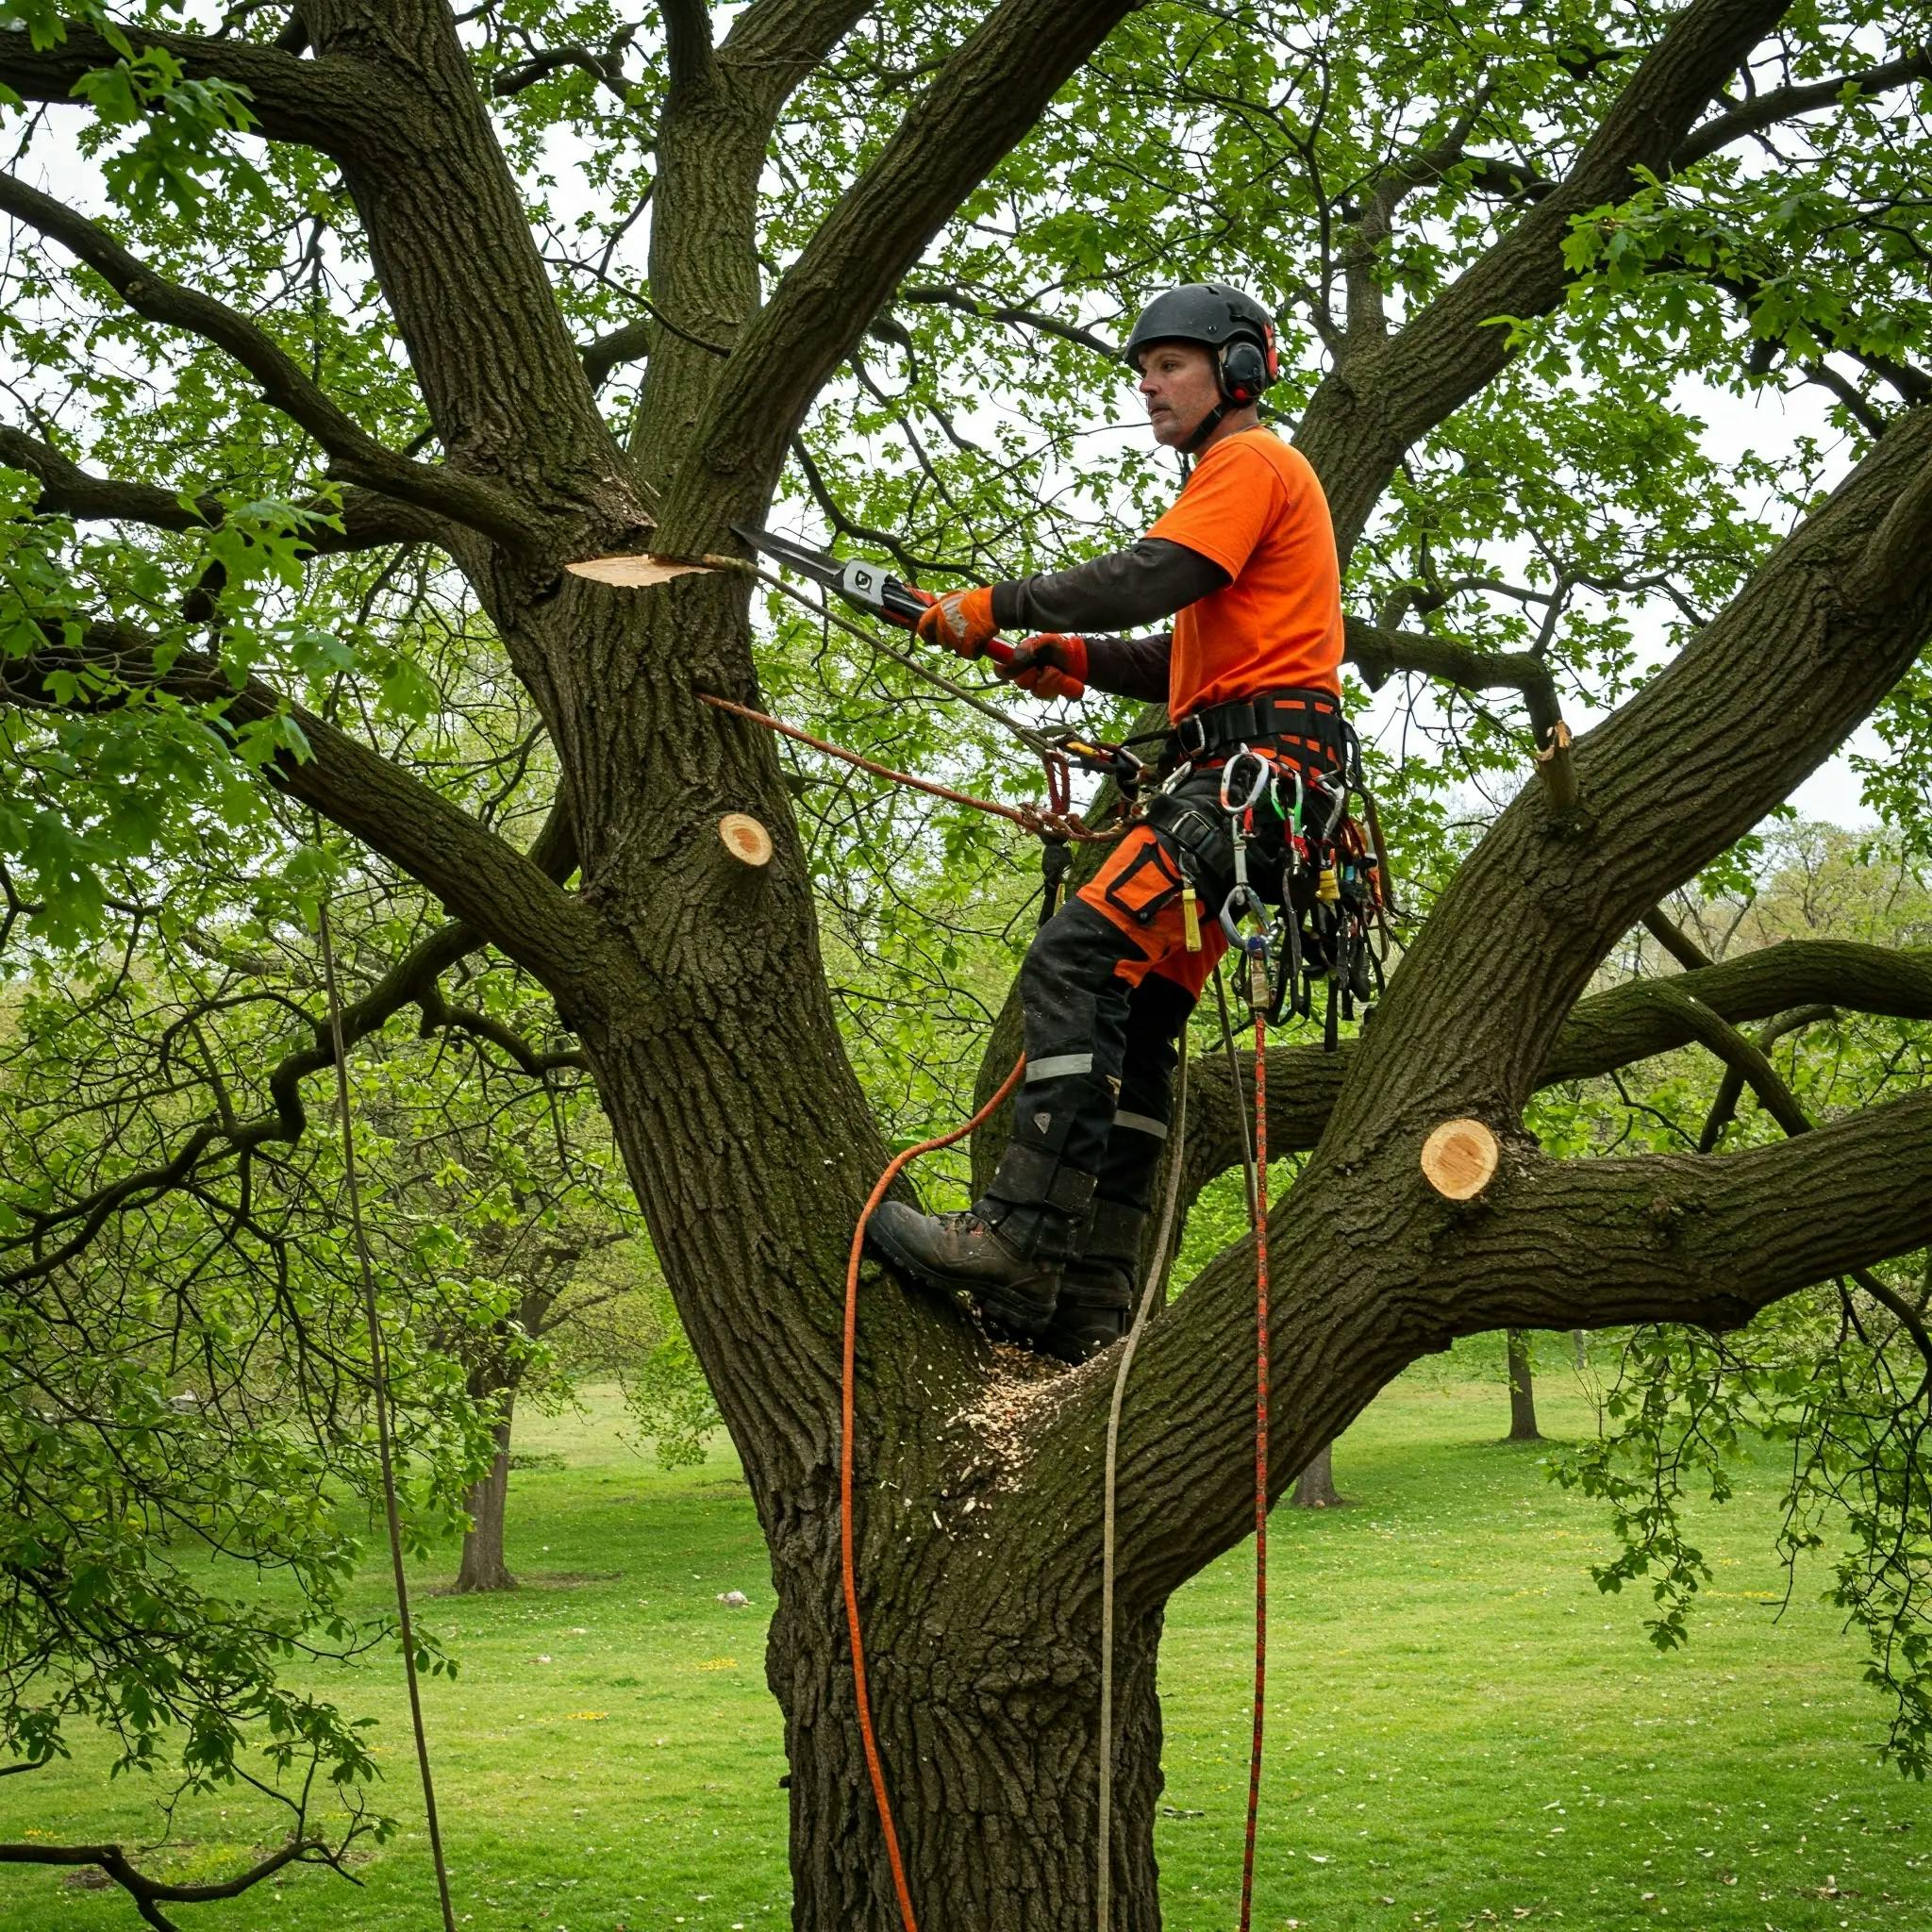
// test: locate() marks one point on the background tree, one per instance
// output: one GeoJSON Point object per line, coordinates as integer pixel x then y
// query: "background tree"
{"type": "Point", "coordinates": [1518, 1367]}
{"type": "Point", "coordinates": [793, 262]}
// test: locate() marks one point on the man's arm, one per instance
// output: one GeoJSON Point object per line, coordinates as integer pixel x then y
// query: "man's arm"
{"type": "Point", "coordinates": [1153, 579]}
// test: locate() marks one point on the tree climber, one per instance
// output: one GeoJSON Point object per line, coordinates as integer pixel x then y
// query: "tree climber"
{"type": "Point", "coordinates": [1246, 558]}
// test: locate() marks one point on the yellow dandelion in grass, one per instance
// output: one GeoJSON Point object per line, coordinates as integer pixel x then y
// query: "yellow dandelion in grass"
{"type": "Point", "coordinates": [719, 1663]}
{"type": "Point", "coordinates": [589, 1717]}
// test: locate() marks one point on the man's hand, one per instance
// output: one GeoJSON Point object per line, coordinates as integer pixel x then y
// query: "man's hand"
{"type": "Point", "coordinates": [1051, 665]}
{"type": "Point", "coordinates": [961, 620]}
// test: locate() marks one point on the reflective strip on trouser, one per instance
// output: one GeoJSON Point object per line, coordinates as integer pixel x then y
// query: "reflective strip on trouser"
{"type": "Point", "coordinates": [1056, 1066]}
{"type": "Point", "coordinates": [1098, 1038]}
{"type": "Point", "coordinates": [1106, 987]}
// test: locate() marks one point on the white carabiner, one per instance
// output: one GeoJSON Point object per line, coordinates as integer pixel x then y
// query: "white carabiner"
{"type": "Point", "coordinates": [1264, 776]}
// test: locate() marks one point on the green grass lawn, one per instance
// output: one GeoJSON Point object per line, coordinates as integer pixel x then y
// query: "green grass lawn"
{"type": "Point", "coordinates": [1462, 1733]}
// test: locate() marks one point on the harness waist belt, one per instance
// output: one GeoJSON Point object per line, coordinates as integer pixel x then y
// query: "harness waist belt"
{"type": "Point", "coordinates": [1301, 712]}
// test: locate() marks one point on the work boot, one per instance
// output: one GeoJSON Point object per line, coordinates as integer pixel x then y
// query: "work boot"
{"type": "Point", "coordinates": [1006, 1251]}
{"type": "Point", "coordinates": [1096, 1298]}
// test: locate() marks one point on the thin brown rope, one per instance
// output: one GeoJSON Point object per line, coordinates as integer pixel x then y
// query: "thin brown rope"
{"type": "Point", "coordinates": [379, 1377]}
{"type": "Point", "coordinates": [1041, 821]}
{"type": "Point", "coordinates": [1150, 1296]}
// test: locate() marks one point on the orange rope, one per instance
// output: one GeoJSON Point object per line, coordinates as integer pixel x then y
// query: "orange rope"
{"type": "Point", "coordinates": [1260, 1203]}
{"type": "Point", "coordinates": [875, 1768]}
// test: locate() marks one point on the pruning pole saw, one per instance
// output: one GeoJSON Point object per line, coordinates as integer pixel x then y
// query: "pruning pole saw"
{"type": "Point", "coordinates": [868, 586]}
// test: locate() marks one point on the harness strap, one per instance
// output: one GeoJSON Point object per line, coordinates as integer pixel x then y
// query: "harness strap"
{"type": "Point", "coordinates": [1298, 718]}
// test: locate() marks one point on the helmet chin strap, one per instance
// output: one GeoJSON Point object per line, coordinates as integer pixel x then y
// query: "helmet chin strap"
{"type": "Point", "coordinates": [1206, 427]}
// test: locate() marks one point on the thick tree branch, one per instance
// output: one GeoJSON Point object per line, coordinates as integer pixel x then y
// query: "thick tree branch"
{"type": "Point", "coordinates": [1615, 1028]}
{"type": "Point", "coordinates": [1786, 103]}
{"type": "Point", "coordinates": [774, 44]}
{"type": "Point", "coordinates": [630, 341]}
{"type": "Point", "coordinates": [370, 519]}
{"type": "Point", "coordinates": [985, 99]}
{"type": "Point", "coordinates": [687, 44]}
{"type": "Point", "coordinates": [354, 455]}
{"type": "Point", "coordinates": [1378, 653]}
{"type": "Point", "coordinates": [337, 105]}
{"type": "Point", "coordinates": [1757, 699]}
{"type": "Point", "coordinates": [1709, 1240]}
{"type": "Point", "coordinates": [483, 881]}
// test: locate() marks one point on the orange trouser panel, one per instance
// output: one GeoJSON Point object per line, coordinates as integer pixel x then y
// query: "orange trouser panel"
{"type": "Point", "coordinates": [1139, 891]}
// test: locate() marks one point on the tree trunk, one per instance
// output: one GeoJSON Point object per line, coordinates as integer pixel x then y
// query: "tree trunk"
{"type": "Point", "coordinates": [1523, 1427]}
{"type": "Point", "coordinates": [1314, 1489]}
{"type": "Point", "coordinates": [989, 1741]}
{"type": "Point", "coordinates": [483, 1566]}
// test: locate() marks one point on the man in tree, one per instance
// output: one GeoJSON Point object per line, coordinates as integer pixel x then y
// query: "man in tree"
{"type": "Point", "coordinates": [1246, 558]}
{"type": "Point", "coordinates": [801, 198]}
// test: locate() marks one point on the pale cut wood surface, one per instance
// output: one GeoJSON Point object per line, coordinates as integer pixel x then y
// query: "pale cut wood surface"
{"type": "Point", "coordinates": [1459, 1159]}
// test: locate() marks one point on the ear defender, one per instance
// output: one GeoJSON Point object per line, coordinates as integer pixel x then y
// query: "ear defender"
{"type": "Point", "coordinates": [1245, 371]}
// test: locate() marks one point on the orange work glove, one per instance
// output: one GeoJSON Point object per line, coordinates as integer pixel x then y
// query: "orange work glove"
{"type": "Point", "coordinates": [1051, 665]}
{"type": "Point", "coordinates": [961, 620]}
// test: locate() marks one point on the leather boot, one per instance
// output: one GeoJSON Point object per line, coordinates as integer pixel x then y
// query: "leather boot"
{"type": "Point", "coordinates": [1096, 1298]}
{"type": "Point", "coordinates": [1006, 1251]}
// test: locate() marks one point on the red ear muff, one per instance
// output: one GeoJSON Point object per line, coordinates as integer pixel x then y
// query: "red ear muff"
{"type": "Point", "coordinates": [1273, 353]}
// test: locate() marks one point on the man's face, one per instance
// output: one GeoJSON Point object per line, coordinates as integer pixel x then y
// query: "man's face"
{"type": "Point", "coordinates": [1178, 386]}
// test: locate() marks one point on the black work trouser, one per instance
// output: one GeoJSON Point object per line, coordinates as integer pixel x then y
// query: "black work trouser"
{"type": "Point", "coordinates": [1108, 984]}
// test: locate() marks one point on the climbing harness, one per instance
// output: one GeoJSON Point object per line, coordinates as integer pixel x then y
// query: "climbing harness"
{"type": "Point", "coordinates": [848, 1573]}
{"type": "Point", "coordinates": [380, 1385]}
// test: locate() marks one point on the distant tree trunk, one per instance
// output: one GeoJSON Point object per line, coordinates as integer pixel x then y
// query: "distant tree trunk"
{"type": "Point", "coordinates": [1579, 1343]}
{"type": "Point", "coordinates": [1523, 1427]}
{"type": "Point", "coordinates": [483, 1566]}
{"type": "Point", "coordinates": [1314, 1489]}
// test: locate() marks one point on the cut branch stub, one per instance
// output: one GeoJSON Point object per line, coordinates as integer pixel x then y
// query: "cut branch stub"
{"type": "Point", "coordinates": [1556, 769]}
{"type": "Point", "coordinates": [1459, 1159]}
{"type": "Point", "coordinates": [634, 573]}
{"type": "Point", "coordinates": [745, 839]}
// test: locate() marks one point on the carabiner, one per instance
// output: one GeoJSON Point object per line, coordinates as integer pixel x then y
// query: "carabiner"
{"type": "Point", "coordinates": [1242, 901]}
{"type": "Point", "coordinates": [1292, 818]}
{"type": "Point", "coordinates": [1264, 775]}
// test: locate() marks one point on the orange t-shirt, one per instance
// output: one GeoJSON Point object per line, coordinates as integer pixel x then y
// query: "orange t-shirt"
{"type": "Point", "coordinates": [1255, 508]}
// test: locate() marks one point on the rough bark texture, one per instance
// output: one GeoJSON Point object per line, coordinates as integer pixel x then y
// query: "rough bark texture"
{"type": "Point", "coordinates": [742, 1125]}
